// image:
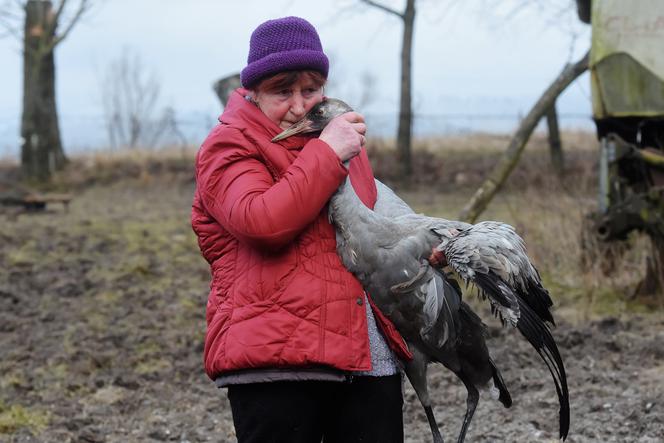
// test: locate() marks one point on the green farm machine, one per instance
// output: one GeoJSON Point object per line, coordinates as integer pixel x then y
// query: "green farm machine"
{"type": "Point", "coordinates": [627, 80]}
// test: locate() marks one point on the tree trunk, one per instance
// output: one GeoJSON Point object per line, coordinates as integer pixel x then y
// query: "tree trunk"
{"type": "Point", "coordinates": [405, 111]}
{"type": "Point", "coordinates": [480, 200]}
{"type": "Point", "coordinates": [41, 151]}
{"type": "Point", "coordinates": [555, 145]}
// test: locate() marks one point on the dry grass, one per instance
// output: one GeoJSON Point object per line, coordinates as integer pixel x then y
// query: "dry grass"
{"type": "Point", "coordinates": [107, 167]}
{"type": "Point", "coordinates": [547, 211]}
{"type": "Point", "coordinates": [450, 163]}
{"type": "Point", "coordinates": [551, 219]}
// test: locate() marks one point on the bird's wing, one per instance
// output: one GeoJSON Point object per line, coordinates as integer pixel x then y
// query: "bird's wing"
{"type": "Point", "coordinates": [493, 256]}
{"type": "Point", "coordinates": [440, 308]}
{"type": "Point", "coordinates": [475, 254]}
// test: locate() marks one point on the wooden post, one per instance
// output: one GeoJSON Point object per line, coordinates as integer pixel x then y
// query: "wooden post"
{"type": "Point", "coordinates": [555, 145]}
{"type": "Point", "coordinates": [652, 285]}
{"type": "Point", "coordinates": [405, 131]}
{"type": "Point", "coordinates": [480, 200]}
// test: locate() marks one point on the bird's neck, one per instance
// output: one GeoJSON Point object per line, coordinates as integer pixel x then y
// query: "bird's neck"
{"type": "Point", "coordinates": [346, 206]}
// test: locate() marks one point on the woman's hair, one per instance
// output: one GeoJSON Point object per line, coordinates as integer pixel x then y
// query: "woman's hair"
{"type": "Point", "coordinates": [286, 79]}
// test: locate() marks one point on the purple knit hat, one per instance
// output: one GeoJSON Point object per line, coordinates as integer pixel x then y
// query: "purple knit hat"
{"type": "Point", "coordinates": [283, 44]}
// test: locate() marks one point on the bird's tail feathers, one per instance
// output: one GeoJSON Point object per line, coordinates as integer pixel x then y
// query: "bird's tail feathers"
{"type": "Point", "coordinates": [503, 394]}
{"type": "Point", "coordinates": [539, 336]}
{"type": "Point", "coordinates": [538, 299]}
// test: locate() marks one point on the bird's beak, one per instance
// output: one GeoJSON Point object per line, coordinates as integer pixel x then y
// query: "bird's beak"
{"type": "Point", "coordinates": [301, 127]}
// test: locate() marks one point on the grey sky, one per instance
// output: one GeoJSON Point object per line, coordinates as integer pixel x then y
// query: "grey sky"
{"type": "Point", "coordinates": [467, 60]}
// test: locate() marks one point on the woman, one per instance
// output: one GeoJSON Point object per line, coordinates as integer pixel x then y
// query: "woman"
{"type": "Point", "coordinates": [289, 329]}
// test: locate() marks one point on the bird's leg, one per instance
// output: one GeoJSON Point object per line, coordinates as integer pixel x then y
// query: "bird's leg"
{"type": "Point", "coordinates": [416, 370]}
{"type": "Point", "coordinates": [437, 438]}
{"type": "Point", "coordinates": [471, 404]}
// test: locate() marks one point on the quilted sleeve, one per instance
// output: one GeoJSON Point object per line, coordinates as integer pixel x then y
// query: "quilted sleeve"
{"type": "Point", "coordinates": [238, 191]}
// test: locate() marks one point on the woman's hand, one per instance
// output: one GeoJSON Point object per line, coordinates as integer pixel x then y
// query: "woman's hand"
{"type": "Point", "coordinates": [345, 135]}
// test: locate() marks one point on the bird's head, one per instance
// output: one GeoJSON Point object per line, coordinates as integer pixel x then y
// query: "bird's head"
{"type": "Point", "coordinates": [316, 119]}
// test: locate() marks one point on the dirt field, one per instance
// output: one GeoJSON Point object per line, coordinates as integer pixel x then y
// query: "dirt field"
{"type": "Point", "coordinates": [102, 322]}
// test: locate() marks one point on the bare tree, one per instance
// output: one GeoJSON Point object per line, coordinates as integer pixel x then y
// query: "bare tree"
{"type": "Point", "coordinates": [44, 28]}
{"type": "Point", "coordinates": [555, 143]}
{"type": "Point", "coordinates": [130, 98]}
{"type": "Point", "coordinates": [367, 92]}
{"type": "Point", "coordinates": [404, 133]}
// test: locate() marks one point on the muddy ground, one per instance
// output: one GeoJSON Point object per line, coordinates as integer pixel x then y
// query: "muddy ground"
{"type": "Point", "coordinates": [102, 323]}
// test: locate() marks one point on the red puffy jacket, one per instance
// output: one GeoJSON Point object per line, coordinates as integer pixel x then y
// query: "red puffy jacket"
{"type": "Point", "coordinates": [279, 296]}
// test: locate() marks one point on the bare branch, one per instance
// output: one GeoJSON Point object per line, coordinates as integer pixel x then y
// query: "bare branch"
{"type": "Point", "coordinates": [517, 9]}
{"type": "Point", "coordinates": [10, 32]}
{"type": "Point", "coordinates": [368, 89]}
{"type": "Point", "coordinates": [61, 7]}
{"type": "Point", "coordinates": [55, 19]}
{"type": "Point", "coordinates": [83, 6]}
{"type": "Point", "coordinates": [130, 97]}
{"type": "Point", "coordinates": [10, 28]}
{"type": "Point", "coordinates": [50, 23]}
{"type": "Point", "coordinates": [382, 7]}
{"type": "Point", "coordinates": [343, 10]}
{"type": "Point", "coordinates": [9, 11]}
{"type": "Point", "coordinates": [10, 22]}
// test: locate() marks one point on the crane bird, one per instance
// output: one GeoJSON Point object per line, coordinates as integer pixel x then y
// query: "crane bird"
{"type": "Point", "coordinates": [399, 256]}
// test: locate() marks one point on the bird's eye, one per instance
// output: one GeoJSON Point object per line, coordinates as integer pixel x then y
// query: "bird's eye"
{"type": "Point", "coordinates": [320, 112]}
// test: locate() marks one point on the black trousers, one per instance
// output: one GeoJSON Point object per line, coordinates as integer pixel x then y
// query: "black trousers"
{"type": "Point", "coordinates": [367, 410]}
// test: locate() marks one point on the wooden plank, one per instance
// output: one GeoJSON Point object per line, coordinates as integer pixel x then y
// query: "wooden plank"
{"type": "Point", "coordinates": [48, 198]}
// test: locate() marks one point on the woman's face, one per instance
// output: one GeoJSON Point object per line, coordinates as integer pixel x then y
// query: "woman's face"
{"type": "Point", "coordinates": [288, 105]}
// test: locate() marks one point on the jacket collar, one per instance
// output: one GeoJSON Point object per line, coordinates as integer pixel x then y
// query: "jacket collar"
{"type": "Point", "coordinates": [246, 116]}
